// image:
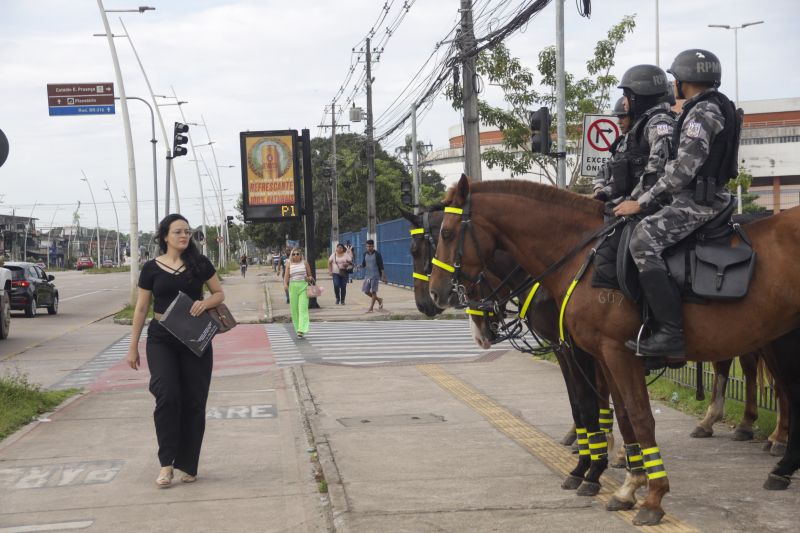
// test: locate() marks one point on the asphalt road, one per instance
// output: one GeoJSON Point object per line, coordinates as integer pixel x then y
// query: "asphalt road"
{"type": "Point", "coordinates": [46, 347]}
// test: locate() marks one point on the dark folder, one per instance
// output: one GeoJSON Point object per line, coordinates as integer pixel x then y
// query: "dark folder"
{"type": "Point", "coordinates": [195, 332]}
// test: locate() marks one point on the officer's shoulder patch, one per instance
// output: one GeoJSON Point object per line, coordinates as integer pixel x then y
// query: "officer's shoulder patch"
{"type": "Point", "coordinates": [663, 129]}
{"type": "Point", "coordinates": [693, 129]}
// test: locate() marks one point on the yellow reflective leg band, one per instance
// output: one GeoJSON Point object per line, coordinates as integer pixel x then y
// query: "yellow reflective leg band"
{"type": "Point", "coordinates": [598, 445]}
{"type": "Point", "coordinates": [476, 312]}
{"type": "Point", "coordinates": [583, 441]}
{"type": "Point", "coordinates": [423, 277]}
{"type": "Point", "coordinates": [606, 420]}
{"type": "Point", "coordinates": [454, 210]}
{"type": "Point", "coordinates": [417, 231]}
{"type": "Point", "coordinates": [564, 308]}
{"type": "Point", "coordinates": [443, 266]}
{"type": "Point", "coordinates": [653, 463]}
{"type": "Point", "coordinates": [528, 300]}
{"type": "Point", "coordinates": [633, 457]}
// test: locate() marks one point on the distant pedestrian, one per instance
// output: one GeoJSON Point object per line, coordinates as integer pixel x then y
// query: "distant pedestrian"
{"type": "Point", "coordinates": [243, 265]}
{"type": "Point", "coordinates": [298, 276]}
{"type": "Point", "coordinates": [340, 265]}
{"type": "Point", "coordinates": [179, 379]}
{"type": "Point", "coordinates": [372, 263]}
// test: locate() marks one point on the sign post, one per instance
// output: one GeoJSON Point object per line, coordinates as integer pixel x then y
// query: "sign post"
{"type": "Point", "coordinates": [599, 133]}
{"type": "Point", "coordinates": [80, 99]}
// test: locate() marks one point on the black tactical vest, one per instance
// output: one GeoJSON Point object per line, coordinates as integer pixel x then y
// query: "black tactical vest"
{"type": "Point", "coordinates": [722, 163]}
{"type": "Point", "coordinates": [629, 166]}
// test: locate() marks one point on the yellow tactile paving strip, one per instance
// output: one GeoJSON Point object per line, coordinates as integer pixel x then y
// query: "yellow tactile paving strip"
{"type": "Point", "coordinates": [541, 446]}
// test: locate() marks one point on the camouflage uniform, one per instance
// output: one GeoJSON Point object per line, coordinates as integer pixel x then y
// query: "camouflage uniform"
{"type": "Point", "coordinates": [602, 182]}
{"type": "Point", "coordinates": [683, 215]}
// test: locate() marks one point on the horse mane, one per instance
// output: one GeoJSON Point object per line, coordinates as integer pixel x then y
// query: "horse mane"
{"type": "Point", "coordinates": [546, 193]}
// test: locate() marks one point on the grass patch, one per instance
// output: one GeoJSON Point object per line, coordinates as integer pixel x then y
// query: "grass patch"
{"type": "Point", "coordinates": [321, 264]}
{"type": "Point", "coordinates": [109, 270]}
{"type": "Point", "coordinates": [21, 401]}
{"type": "Point", "coordinates": [127, 313]}
{"type": "Point", "coordinates": [322, 486]}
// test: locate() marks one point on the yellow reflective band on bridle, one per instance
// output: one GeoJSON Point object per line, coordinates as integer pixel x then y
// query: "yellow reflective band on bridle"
{"type": "Point", "coordinates": [443, 266]}
{"type": "Point", "coordinates": [454, 210]}
{"type": "Point", "coordinates": [564, 308]}
{"type": "Point", "coordinates": [528, 300]}
{"type": "Point", "coordinates": [423, 277]}
{"type": "Point", "coordinates": [476, 312]}
{"type": "Point", "coordinates": [418, 231]}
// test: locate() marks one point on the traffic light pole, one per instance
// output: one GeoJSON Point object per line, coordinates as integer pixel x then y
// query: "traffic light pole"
{"type": "Point", "coordinates": [308, 210]}
{"type": "Point", "coordinates": [169, 173]}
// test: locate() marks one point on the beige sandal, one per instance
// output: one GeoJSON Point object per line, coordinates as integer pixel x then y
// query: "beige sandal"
{"type": "Point", "coordinates": [188, 478]}
{"type": "Point", "coordinates": [164, 478]}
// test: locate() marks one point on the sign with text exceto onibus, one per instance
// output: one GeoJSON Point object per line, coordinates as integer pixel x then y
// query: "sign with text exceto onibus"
{"type": "Point", "coordinates": [599, 133]}
{"type": "Point", "coordinates": [80, 99]}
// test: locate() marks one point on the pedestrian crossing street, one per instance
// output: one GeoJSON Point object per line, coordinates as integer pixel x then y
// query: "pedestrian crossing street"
{"type": "Point", "coordinates": [92, 369]}
{"type": "Point", "coordinates": [377, 342]}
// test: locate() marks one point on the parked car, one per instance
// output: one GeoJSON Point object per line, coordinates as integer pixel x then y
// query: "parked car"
{"type": "Point", "coordinates": [84, 262]}
{"type": "Point", "coordinates": [108, 263]}
{"type": "Point", "coordinates": [5, 302]}
{"type": "Point", "coordinates": [32, 288]}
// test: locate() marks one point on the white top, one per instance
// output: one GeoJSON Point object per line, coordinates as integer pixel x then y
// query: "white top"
{"type": "Point", "coordinates": [297, 271]}
{"type": "Point", "coordinates": [339, 262]}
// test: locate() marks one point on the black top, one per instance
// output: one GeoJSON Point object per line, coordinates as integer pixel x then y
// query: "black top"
{"type": "Point", "coordinates": [165, 284]}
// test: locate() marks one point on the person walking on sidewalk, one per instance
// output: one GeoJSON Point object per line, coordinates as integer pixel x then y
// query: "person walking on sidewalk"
{"type": "Point", "coordinates": [340, 265]}
{"type": "Point", "coordinates": [372, 263]}
{"type": "Point", "coordinates": [243, 265]}
{"type": "Point", "coordinates": [179, 380]}
{"type": "Point", "coordinates": [295, 282]}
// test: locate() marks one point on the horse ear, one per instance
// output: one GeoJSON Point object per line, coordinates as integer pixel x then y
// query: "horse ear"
{"type": "Point", "coordinates": [411, 217]}
{"type": "Point", "coordinates": [463, 188]}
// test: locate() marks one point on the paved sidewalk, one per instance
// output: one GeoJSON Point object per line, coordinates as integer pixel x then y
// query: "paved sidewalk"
{"type": "Point", "coordinates": [398, 302]}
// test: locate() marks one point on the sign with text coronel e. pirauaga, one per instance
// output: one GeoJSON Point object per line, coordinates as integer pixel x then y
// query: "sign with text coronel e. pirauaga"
{"type": "Point", "coordinates": [270, 175]}
{"type": "Point", "coordinates": [599, 133]}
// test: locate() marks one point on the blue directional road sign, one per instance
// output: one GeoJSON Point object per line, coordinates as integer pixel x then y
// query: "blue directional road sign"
{"type": "Point", "coordinates": [80, 99]}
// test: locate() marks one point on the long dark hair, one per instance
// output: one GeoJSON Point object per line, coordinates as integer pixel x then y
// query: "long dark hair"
{"type": "Point", "coordinates": [191, 255]}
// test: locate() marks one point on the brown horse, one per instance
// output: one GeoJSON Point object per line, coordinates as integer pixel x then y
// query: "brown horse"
{"type": "Point", "coordinates": [539, 225]}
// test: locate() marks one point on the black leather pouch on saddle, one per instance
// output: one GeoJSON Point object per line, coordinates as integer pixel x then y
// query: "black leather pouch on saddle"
{"type": "Point", "coordinates": [604, 275]}
{"type": "Point", "coordinates": [721, 272]}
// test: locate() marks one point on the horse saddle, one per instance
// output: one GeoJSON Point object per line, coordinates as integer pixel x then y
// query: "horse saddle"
{"type": "Point", "coordinates": [704, 265]}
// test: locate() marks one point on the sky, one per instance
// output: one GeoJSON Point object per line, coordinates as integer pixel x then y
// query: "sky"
{"type": "Point", "coordinates": [267, 64]}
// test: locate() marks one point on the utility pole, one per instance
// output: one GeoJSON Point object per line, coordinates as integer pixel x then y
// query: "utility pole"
{"type": "Point", "coordinates": [414, 161]}
{"type": "Point", "coordinates": [25, 240]}
{"type": "Point", "coordinates": [658, 53]}
{"type": "Point", "coordinates": [50, 236]}
{"type": "Point", "coordinates": [472, 134]}
{"type": "Point", "coordinates": [561, 98]}
{"type": "Point", "coordinates": [372, 225]}
{"type": "Point", "coordinates": [97, 219]}
{"type": "Point", "coordinates": [334, 177]}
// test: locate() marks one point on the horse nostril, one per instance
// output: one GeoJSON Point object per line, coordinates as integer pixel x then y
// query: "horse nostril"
{"type": "Point", "coordinates": [420, 308]}
{"type": "Point", "coordinates": [435, 296]}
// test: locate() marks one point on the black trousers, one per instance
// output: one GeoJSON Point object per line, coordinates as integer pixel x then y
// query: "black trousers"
{"type": "Point", "coordinates": [179, 381]}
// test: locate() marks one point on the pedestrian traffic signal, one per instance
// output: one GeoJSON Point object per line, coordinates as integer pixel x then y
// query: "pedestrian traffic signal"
{"type": "Point", "coordinates": [540, 131]}
{"type": "Point", "coordinates": [230, 221]}
{"type": "Point", "coordinates": [405, 192]}
{"type": "Point", "coordinates": [179, 140]}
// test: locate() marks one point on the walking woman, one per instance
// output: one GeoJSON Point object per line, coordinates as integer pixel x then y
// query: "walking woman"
{"type": "Point", "coordinates": [179, 379]}
{"type": "Point", "coordinates": [340, 264]}
{"type": "Point", "coordinates": [295, 281]}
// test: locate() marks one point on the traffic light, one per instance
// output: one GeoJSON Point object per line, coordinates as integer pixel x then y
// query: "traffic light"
{"type": "Point", "coordinates": [178, 140]}
{"type": "Point", "coordinates": [230, 221]}
{"type": "Point", "coordinates": [540, 131]}
{"type": "Point", "coordinates": [3, 148]}
{"type": "Point", "coordinates": [405, 192]}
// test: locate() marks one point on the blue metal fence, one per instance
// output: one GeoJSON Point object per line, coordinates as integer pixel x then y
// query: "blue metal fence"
{"type": "Point", "coordinates": [394, 244]}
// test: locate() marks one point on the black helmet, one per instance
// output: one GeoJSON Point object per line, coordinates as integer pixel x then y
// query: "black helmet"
{"type": "Point", "coordinates": [645, 80]}
{"type": "Point", "coordinates": [697, 66]}
{"type": "Point", "coordinates": [619, 107]}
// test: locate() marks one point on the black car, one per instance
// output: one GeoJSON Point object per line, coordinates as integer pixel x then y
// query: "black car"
{"type": "Point", "coordinates": [31, 288]}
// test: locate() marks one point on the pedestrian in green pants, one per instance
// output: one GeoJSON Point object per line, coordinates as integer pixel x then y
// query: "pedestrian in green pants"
{"type": "Point", "coordinates": [296, 280]}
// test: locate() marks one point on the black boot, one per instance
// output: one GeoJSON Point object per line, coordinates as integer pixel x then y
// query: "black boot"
{"type": "Point", "coordinates": [664, 299]}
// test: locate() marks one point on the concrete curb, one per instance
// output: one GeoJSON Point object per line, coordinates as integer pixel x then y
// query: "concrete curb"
{"type": "Point", "coordinates": [269, 318]}
{"type": "Point", "coordinates": [33, 424]}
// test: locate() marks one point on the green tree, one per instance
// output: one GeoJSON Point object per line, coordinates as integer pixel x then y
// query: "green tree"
{"type": "Point", "coordinates": [745, 179]}
{"type": "Point", "coordinates": [431, 183]}
{"type": "Point", "coordinates": [521, 93]}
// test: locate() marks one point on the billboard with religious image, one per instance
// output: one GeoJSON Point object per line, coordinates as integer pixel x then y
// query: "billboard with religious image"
{"type": "Point", "coordinates": [270, 175]}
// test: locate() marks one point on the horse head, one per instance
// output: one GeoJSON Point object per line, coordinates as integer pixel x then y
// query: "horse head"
{"type": "Point", "coordinates": [423, 245]}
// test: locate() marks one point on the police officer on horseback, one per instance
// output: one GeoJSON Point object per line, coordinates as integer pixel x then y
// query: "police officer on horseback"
{"type": "Point", "coordinates": [702, 160]}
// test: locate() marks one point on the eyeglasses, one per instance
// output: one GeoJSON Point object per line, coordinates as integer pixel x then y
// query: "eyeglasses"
{"type": "Point", "coordinates": [186, 232]}
{"type": "Point", "coordinates": [295, 253]}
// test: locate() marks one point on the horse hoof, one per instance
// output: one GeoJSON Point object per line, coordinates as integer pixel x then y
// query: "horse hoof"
{"type": "Point", "coordinates": [648, 517]}
{"type": "Point", "coordinates": [767, 446]}
{"type": "Point", "coordinates": [588, 488]}
{"type": "Point", "coordinates": [701, 433]}
{"type": "Point", "coordinates": [571, 483]}
{"type": "Point", "coordinates": [742, 434]}
{"type": "Point", "coordinates": [615, 504]}
{"type": "Point", "coordinates": [776, 482]}
{"type": "Point", "coordinates": [778, 449]}
{"type": "Point", "coordinates": [568, 439]}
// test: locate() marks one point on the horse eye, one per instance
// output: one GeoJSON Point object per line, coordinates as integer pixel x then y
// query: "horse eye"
{"type": "Point", "coordinates": [414, 247]}
{"type": "Point", "coordinates": [447, 234]}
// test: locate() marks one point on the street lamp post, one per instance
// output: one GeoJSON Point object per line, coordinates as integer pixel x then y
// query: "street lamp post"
{"type": "Point", "coordinates": [117, 219]}
{"type": "Point", "coordinates": [736, 75]}
{"type": "Point", "coordinates": [126, 122]}
{"type": "Point", "coordinates": [96, 214]}
{"type": "Point", "coordinates": [210, 143]}
{"type": "Point", "coordinates": [49, 236]}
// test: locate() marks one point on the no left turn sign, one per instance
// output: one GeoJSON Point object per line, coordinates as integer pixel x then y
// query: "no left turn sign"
{"type": "Point", "coordinates": [599, 133]}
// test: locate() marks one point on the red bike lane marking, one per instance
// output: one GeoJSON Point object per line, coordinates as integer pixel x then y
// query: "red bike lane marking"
{"type": "Point", "coordinates": [242, 350]}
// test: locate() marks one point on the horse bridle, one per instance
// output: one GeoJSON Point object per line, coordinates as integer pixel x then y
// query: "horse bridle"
{"type": "Point", "coordinates": [427, 238]}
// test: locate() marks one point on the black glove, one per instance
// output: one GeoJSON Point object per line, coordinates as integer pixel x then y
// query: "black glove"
{"type": "Point", "coordinates": [600, 195]}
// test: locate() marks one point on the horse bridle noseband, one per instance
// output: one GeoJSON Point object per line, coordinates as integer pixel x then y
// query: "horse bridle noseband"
{"type": "Point", "coordinates": [427, 237]}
